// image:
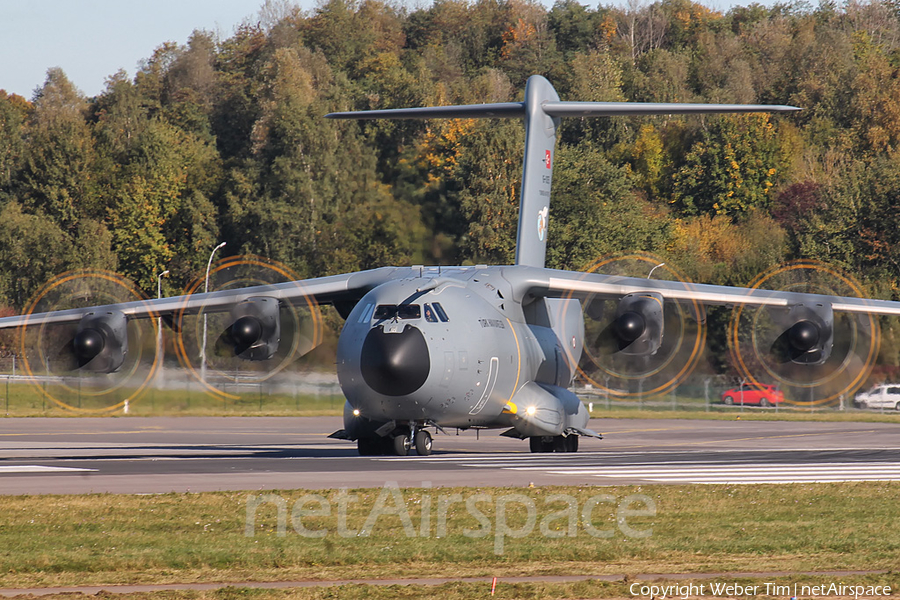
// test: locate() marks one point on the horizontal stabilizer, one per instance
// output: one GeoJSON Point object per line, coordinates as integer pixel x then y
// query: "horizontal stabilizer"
{"type": "Point", "coordinates": [611, 109]}
{"type": "Point", "coordinates": [505, 110]}
{"type": "Point", "coordinates": [542, 112]}
{"type": "Point", "coordinates": [469, 111]}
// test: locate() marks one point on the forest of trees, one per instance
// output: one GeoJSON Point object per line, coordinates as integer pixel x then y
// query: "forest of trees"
{"type": "Point", "coordinates": [223, 139]}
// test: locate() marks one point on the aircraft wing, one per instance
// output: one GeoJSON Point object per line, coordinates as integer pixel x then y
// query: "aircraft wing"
{"type": "Point", "coordinates": [555, 283]}
{"type": "Point", "coordinates": [323, 290]}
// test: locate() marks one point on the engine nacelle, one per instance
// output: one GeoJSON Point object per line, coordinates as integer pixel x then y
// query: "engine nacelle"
{"type": "Point", "coordinates": [810, 337]}
{"type": "Point", "coordinates": [638, 326]}
{"type": "Point", "coordinates": [100, 342]}
{"type": "Point", "coordinates": [255, 329]}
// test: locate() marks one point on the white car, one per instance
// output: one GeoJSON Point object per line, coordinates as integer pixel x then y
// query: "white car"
{"type": "Point", "coordinates": [886, 395]}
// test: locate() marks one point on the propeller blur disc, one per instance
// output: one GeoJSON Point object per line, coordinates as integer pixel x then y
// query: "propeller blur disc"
{"type": "Point", "coordinates": [605, 363]}
{"type": "Point", "coordinates": [765, 343]}
{"type": "Point", "coordinates": [57, 357]}
{"type": "Point", "coordinates": [209, 340]}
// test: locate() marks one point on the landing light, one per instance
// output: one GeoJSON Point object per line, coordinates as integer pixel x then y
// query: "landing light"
{"type": "Point", "coordinates": [530, 411]}
{"type": "Point", "coordinates": [355, 412]}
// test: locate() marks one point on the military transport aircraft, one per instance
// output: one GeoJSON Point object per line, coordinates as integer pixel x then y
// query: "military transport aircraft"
{"type": "Point", "coordinates": [498, 346]}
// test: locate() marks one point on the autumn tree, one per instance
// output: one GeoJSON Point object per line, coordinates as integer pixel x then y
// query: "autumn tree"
{"type": "Point", "coordinates": [33, 249]}
{"type": "Point", "coordinates": [594, 212]}
{"type": "Point", "coordinates": [715, 249]}
{"type": "Point", "coordinates": [57, 175]}
{"type": "Point", "coordinates": [13, 114]}
{"type": "Point", "coordinates": [731, 168]}
{"type": "Point", "coordinates": [488, 173]}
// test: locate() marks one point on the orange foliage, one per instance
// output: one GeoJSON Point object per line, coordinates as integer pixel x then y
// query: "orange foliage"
{"type": "Point", "coordinates": [517, 36]}
{"type": "Point", "coordinates": [608, 29]}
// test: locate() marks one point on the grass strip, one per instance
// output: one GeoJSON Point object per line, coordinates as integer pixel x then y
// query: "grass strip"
{"type": "Point", "coordinates": [853, 416]}
{"type": "Point", "coordinates": [48, 541]}
{"type": "Point", "coordinates": [505, 590]}
{"type": "Point", "coordinates": [24, 400]}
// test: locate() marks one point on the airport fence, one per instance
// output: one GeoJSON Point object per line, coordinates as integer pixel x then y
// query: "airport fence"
{"type": "Point", "coordinates": [706, 394]}
{"type": "Point", "coordinates": [176, 391]}
{"type": "Point", "coordinates": [167, 391]}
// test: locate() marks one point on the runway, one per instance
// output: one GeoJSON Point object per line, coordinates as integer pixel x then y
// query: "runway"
{"type": "Point", "coordinates": [172, 454]}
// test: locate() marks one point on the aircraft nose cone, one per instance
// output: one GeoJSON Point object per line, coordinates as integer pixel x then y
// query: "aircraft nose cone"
{"type": "Point", "coordinates": [395, 364]}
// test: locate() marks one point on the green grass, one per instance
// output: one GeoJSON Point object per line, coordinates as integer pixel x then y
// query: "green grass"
{"type": "Point", "coordinates": [690, 407]}
{"type": "Point", "coordinates": [858, 416]}
{"type": "Point", "coordinates": [108, 539]}
{"type": "Point", "coordinates": [24, 400]}
{"type": "Point", "coordinates": [468, 590]}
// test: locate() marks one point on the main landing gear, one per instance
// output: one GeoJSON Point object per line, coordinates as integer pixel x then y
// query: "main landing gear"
{"type": "Point", "coordinates": [553, 443]}
{"type": "Point", "coordinates": [400, 443]}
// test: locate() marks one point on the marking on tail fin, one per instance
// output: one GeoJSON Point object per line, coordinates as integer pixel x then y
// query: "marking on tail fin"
{"type": "Point", "coordinates": [542, 221]}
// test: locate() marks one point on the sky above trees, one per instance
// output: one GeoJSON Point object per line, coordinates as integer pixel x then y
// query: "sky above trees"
{"type": "Point", "coordinates": [92, 40]}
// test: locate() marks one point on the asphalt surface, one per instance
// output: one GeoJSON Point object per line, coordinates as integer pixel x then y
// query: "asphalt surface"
{"type": "Point", "coordinates": [157, 455]}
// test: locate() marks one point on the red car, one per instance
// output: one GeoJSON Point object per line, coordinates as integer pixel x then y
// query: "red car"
{"type": "Point", "coordinates": [754, 394]}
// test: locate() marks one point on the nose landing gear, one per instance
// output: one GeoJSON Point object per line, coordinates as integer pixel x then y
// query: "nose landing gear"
{"type": "Point", "coordinates": [400, 442]}
{"type": "Point", "coordinates": [423, 443]}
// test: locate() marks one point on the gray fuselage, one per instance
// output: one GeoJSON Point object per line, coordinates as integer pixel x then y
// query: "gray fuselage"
{"type": "Point", "coordinates": [454, 348]}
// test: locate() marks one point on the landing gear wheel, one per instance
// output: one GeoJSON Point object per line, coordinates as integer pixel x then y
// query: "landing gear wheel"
{"type": "Point", "coordinates": [559, 444]}
{"type": "Point", "coordinates": [402, 444]}
{"type": "Point", "coordinates": [423, 443]}
{"type": "Point", "coordinates": [572, 443]}
{"type": "Point", "coordinates": [535, 444]}
{"type": "Point", "coordinates": [368, 446]}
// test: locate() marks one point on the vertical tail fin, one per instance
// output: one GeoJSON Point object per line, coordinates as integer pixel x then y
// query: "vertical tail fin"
{"type": "Point", "coordinates": [542, 111]}
{"type": "Point", "coordinates": [537, 173]}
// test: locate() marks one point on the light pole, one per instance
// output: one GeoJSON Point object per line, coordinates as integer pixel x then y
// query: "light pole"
{"type": "Point", "coordinates": [159, 346]}
{"type": "Point", "coordinates": [206, 290]}
{"type": "Point", "coordinates": [159, 283]}
{"type": "Point", "coordinates": [650, 274]}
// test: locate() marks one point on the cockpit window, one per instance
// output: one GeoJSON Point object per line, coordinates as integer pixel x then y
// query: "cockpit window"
{"type": "Point", "coordinates": [391, 311]}
{"type": "Point", "coordinates": [385, 311]}
{"type": "Point", "coordinates": [409, 311]}
{"type": "Point", "coordinates": [440, 312]}
{"type": "Point", "coordinates": [429, 314]}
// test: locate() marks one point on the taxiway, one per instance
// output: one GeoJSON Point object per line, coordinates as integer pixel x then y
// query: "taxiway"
{"type": "Point", "coordinates": [178, 454]}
